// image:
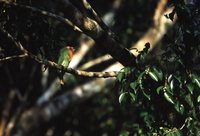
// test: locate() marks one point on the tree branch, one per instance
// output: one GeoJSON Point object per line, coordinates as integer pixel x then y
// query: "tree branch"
{"type": "Point", "coordinates": [44, 13]}
{"type": "Point", "coordinates": [55, 65]}
{"type": "Point", "coordinates": [95, 61]}
{"type": "Point", "coordinates": [97, 18]}
{"type": "Point", "coordinates": [153, 35]}
{"type": "Point", "coordinates": [90, 28]}
{"type": "Point", "coordinates": [13, 57]}
{"type": "Point", "coordinates": [87, 43]}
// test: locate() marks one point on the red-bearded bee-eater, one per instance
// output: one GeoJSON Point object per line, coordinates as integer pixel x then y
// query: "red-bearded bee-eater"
{"type": "Point", "coordinates": [64, 59]}
{"type": "Point", "coordinates": [65, 56]}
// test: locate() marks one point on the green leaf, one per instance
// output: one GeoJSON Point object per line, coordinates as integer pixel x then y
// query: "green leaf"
{"type": "Point", "coordinates": [141, 76]}
{"type": "Point", "coordinates": [178, 78]}
{"type": "Point", "coordinates": [158, 73]}
{"type": "Point", "coordinates": [178, 133]}
{"type": "Point", "coordinates": [122, 96]}
{"type": "Point", "coordinates": [120, 76]}
{"type": "Point", "coordinates": [144, 113]}
{"type": "Point", "coordinates": [134, 86]}
{"type": "Point", "coordinates": [189, 100]}
{"type": "Point", "coordinates": [153, 76]}
{"type": "Point", "coordinates": [198, 98]}
{"type": "Point", "coordinates": [179, 108]}
{"type": "Point", "coordinates": [127, 70]}
{"type": "Point", "coordinates": [190, 87]}
{"type": "Point", "coordinates": [167, 89]}
{"type": "Point", "coordinates": [169, 97]}
{"type": "Point", "coordinates": [174, 132]}
{"type": "Point", "coordinates": [195, 79]}
{"type": "Point", "coordinates": [158, 89]}
{"type": "Point", "coordinates": [146, 95]}
{"type": "Point", "coordinates": [142, 54]}
{"type": "Point", "coordinates": [133, 97]}
{"type": "Point", "coordinates": [171, 85]}
{"type": "Point", "coordinates": [197, 82]}
{"type": "Point", "coordinates": [124, 133]}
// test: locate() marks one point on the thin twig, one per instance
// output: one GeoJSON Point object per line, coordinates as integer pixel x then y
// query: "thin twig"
{"type": "Point", "coordinates": [95, 61]}
{"type": "Point", "coordinates": [55, 65]}
{"type": "Point", "coordinates": [44, 13]}
{"type": "Point", "coordinates": [13, 57]}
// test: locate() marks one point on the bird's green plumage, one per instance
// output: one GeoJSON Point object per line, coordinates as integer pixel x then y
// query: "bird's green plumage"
{"type": "Point", "coordinates": [63, 57]}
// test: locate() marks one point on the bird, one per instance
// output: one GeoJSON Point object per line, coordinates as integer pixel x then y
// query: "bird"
{"type": "Point", "coordinates": [65, 56]}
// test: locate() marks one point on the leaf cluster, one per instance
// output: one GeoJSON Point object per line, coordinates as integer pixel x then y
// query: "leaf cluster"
{"type": "Point", "coordinates": [167, 97]}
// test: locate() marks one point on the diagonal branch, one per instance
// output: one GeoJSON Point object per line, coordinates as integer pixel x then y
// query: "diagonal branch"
{"type": "Point", "coordinates": [55, 65]}
{"type": "Point", "coordinates": [87, 43]}
{"type": "Point", "coordinates": [97, 18]}
{"type": "Point", "coordinates": [44, 13]}
{"type": "Point", "coordinates": [100, 36]}
{"type": "Point", "coordinates": [153, 34]}
{"type": "Point", "coordinates": [90, 28]}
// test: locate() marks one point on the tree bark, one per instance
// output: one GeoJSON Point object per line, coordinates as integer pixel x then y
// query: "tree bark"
{"type": "Point", "coordinates": [101, 37]}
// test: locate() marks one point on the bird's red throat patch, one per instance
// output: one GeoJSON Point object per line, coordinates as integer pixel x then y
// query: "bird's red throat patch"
{"type": "Point", "coordinates": [70, 52]}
